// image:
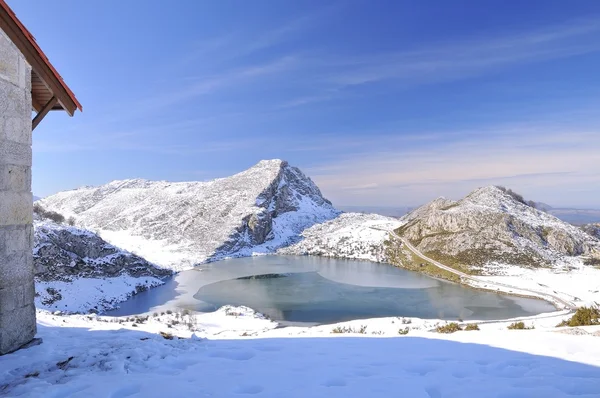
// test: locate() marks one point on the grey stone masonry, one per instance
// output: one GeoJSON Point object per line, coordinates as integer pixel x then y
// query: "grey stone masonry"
{"type": "Point", "coordinates": [17, 291]}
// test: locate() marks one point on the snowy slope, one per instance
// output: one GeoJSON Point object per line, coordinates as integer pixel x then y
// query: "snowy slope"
{"type": "Point", "coordinates": [490, 227]}
{"type": "Point", "coordinates": [178, 225]}
{"type": "Point", "coordinates": [89, 357]}
{"type": "Point", "coordinates": [76, 271]}
{"type": "Point", "coordinates": [351, 235]}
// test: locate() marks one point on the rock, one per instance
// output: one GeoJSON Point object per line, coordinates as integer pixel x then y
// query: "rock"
{"type": "Point", "coordinates": [63, 252]}
{"type": "Point", "coordinates": [491, 225]}
{"type": "Point", "coordinates": [179, 225]}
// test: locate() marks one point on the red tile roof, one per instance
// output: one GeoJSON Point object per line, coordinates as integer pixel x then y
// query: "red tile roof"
{"type": "Point", "coordinates": [38, 53]}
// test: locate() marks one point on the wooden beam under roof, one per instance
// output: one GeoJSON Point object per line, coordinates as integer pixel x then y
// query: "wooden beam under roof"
{"type": "Point", "coordinates": [43, 112]}
{"type": "Point", "coordinates": [46, 81]}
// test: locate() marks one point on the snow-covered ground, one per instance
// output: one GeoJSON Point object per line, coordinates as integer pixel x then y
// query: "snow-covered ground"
{"type": "Point", "coordinates": [85, 294]}
{"type": "Point", "coordinates": [178, 225]}
{"type": "Point", "coordinates": [351, 235]}
{"type": "Point", "coordinates": [235, 352]}
{"type": "Point", "coordinates": [77, 271]}
{"type": "Point", "coordinates": [575, 282]}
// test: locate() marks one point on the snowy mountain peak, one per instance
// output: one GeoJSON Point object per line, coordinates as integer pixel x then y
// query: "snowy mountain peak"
{"type": "Point", "coordinates": [493, 196]}
{"type": "Point", "coordinates": [494, 224]}
{"type": "Point", "coordinates": [179, 224]}
{"type": "Point", "coordinates": [266, 163]}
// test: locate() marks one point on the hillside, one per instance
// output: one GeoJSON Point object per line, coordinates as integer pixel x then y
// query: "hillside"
{"type": "Point", "coordinates": [77, 271]}
{"type": "Point", "coordinates": [491, 227]}
{"type": "Point", "coordinates": [178, 225]}
{"type": "Point", "coordinates": [351, 235]}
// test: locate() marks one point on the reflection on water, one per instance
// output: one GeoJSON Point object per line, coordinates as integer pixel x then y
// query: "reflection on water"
{"type": "Point", "coordinates": [321, 290]}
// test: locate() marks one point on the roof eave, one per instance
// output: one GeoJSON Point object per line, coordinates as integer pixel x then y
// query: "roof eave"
{"type": "Point", "coordinates": [40, 64]}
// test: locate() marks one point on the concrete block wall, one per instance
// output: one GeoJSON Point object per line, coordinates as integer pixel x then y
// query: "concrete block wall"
{"type": "Point", "coordinates": [17, 291]}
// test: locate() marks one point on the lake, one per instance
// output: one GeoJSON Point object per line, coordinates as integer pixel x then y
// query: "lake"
{"type": "Point", "coordinates": [309, 290]}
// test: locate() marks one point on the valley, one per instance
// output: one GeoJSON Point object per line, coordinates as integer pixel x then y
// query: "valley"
{"type": "Point", "coordinates": [482, 241]}
{"type": "Point", "coordinates": [237, 268]}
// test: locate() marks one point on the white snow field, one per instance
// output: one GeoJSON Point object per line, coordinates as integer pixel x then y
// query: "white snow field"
{"type": "Point", "coordinates": [241, 354]}
{"type": "Point", "coordinates": [351, 235]}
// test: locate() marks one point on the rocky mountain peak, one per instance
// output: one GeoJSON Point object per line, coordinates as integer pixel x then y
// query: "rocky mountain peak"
{"type": "Point", "coordinates": [179, 224]}
{"type": "Point", "coordinates": [493, 224]}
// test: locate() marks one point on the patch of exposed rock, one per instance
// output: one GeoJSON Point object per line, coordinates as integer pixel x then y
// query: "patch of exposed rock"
{"type": "Point", "coordinates": [62, 253]}
{"type": "Point", "coordinates": [181, 224]}
{"type": "Point", "coordinates": [490, 226]}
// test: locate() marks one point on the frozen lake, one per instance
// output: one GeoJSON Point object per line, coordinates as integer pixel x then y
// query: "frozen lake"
{"type": "Point", "coordinates": [315, 290]}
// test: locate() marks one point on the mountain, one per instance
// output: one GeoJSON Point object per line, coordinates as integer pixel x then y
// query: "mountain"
{"type": "Point", "coordinates": [351, 235]}
{"type": "Point", "coordinates": [388, 211]}
{"type": "Point", "coordinates": [77, 271]}
{"type": "Point", "coordinates": [491, 226]}
{"type": "Point", "coordinates": [180, 224]}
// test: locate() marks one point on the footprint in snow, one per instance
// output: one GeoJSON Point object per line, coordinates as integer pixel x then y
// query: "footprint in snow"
{"type": "Point", "coordinates": [240, 355]}
{"type": "Point", "coordinates": [335, 382]}
{"type": "Point", "coordinates": [268, 348]}
{"type": "Point", "coordinates": [126, 391]}
{"type": "Point", "coordinates": [249, 389]}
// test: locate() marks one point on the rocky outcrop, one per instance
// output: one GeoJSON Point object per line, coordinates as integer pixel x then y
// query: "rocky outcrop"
{"type": "Point", "coordinates": [489, 225]}
{"type": "Point", "coordinates": [178, 225]}
{"type": "Point", "coordinates": [64, 252]}
{"type": "Point", "coordinates": [77, 271]}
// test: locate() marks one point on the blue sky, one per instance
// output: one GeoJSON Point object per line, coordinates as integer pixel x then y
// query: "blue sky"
{"type": "Point", "coordinates": [384, 103]}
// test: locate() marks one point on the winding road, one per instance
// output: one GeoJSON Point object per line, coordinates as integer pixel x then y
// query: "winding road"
{"type": "Point", "coordinates": [482, 283]}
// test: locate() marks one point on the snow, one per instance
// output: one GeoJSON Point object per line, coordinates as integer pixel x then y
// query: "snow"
{"type": "Point", "coordinates": [179, 225]}
{"type": "Point", "coordinates": [242, 353]}
{"type": "Point", "coordinates": [76, 271]}
{"type": "Point", "coordinates": [236, 351]}
{"type": "Point", "coordinates": [351, 235]}
{"type": "Point", "coordinates": [577, 283]}
{"type": "Point", "coordinates": [84, 294]}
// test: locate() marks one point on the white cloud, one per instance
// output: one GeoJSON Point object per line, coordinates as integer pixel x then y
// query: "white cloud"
{"type": "Point", "coordinates": [540, 164]}
{"type": "Point", "coordinates": [460, 59]}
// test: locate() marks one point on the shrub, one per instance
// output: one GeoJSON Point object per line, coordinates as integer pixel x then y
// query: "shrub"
{"type": "Point", "coordinates": [519, 326]}
{"type": "Point", "coordinates": [48, 214]}
{"type": "Point", "coordinates": [584, 316]}
{"type": "Point", "coordinates": [345, 329]}
{"type": "Point", "coordinates": [472, 326]}
{"type": "Point", "coordinates": [516, 196]}
{"type": "Point", "coordinates": [403, 332]}
{"type": "Point", "coordinates": [449, 328]}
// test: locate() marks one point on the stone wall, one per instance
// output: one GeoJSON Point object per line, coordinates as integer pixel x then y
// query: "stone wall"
{"type": "Point", "coordinates": [17, 310]}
